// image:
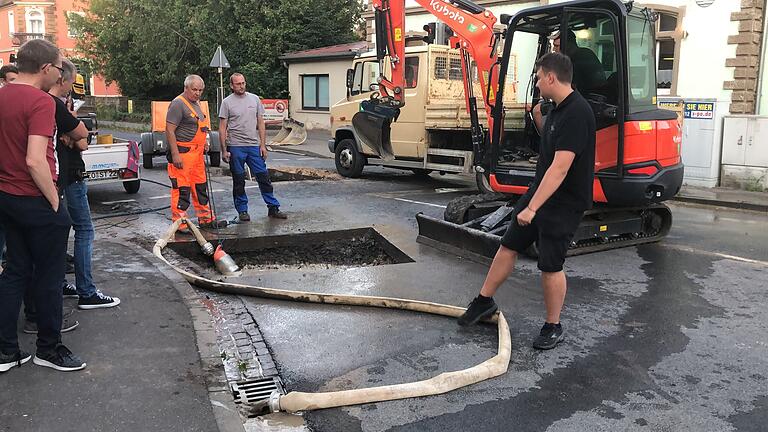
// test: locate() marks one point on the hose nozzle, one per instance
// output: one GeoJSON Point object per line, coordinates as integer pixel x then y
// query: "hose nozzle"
{"type": "Point", "coordinates": [224, 263]}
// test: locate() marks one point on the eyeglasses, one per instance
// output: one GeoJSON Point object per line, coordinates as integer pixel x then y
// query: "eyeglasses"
{"type": "Point", "coordinates": [61, 70]}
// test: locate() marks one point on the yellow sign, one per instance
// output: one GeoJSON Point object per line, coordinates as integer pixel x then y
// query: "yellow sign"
{"type": "Point", "coordinates": [645, 126]}
{"type": "Point", "coordinates": [398, 34]}
{"type": "Point", "coordinates": [603, 228]}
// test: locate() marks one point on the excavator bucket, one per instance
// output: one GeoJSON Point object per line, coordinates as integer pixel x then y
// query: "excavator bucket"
{"type": "Point", "coordinates": [292, 133]}
{"type": "Point", "coordinates": [372, 126]}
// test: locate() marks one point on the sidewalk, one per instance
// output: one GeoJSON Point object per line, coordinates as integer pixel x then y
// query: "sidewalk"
{"type": "Point", "coordinates": [144, 371]}
{"type": "Point", "coordinates": [724, 197]}
{"type": "Point", "coordinates": [315, 145]}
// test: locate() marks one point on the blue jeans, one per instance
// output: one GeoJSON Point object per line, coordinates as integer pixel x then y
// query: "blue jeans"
{"type": "Point", "coordinates": [76, 196]}
{"type": "Point", "coordinates": [251, 155]}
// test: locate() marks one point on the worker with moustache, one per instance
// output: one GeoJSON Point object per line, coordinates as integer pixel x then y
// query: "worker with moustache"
{"type": "Point", "coordinates": [187, 131]}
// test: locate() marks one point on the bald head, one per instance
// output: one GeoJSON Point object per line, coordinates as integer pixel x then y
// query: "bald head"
{"type": "Point", "coordinates": [193, 87]}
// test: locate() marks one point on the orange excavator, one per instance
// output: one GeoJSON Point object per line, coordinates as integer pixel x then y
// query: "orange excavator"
{"type": "Point", "coordinates": [612, 46]}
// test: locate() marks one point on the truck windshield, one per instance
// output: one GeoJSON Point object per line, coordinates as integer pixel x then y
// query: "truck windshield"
{"type": "Point", "coordinates": [642, 69]}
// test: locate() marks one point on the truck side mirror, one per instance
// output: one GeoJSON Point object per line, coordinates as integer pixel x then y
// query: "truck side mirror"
{"type": "Point", "coordinates": [350, 78]}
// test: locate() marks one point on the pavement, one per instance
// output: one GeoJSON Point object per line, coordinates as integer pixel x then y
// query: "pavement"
{"type": "Point", "coordinates": [152, 364]}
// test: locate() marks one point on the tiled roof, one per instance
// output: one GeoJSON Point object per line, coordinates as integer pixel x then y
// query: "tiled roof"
{"type": "Point", "coordinates": [333, 51]}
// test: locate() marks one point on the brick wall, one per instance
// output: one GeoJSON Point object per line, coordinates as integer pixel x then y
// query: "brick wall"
{"type": "Point", "coordinates": [746, 64]}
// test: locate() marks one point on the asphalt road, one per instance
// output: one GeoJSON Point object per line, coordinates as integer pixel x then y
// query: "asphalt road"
{"type": "Point", "coordinates": [666, 336]}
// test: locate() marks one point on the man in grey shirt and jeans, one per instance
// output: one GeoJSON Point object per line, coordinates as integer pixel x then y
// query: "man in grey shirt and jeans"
{"type": "Point", "coordinates": [243, 138]}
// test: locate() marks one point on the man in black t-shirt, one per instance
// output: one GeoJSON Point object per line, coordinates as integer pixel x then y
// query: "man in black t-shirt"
{"type": "Point", "coordinates": [550, 212]}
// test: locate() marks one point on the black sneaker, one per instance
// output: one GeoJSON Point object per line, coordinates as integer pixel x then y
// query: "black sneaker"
{"type": "Point", "coordinates": [214, 224]}
{"type": "Point", "coordinates": [70, 291]}
{"type": "Point", "coordinates": [480, 308]}
{"type": "Point", "coordinates": [549, 337]}
{"type": "Point", "coordinates": [61, 359]}
{"type": "Point", "coordinates": [67, 325]}
{"type": "Point", "coordinates": [275, 213]}
{"type": "Point", "coordinates": [244, 217]}
{"type": "Point", "coordinates": [8, 361]}
{"type": "Point", "coordinates": [97, 301]}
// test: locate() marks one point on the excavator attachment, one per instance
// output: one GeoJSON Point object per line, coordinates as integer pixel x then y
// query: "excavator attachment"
{"type": "Point", "coordinates": [292, 133]}
{"type": "Point", "coordinates": [372, 126]}
{"type": "Point", "coordinates": [474, 228]}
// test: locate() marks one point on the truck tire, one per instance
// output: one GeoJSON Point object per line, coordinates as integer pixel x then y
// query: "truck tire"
{"type": "Point", "coordinates": [132, 187]}
{"type": "Point", "coordinates": [456, 210]}
{"type": "Point", "coordinates": [215, 158]}
{"type": "Point", "coordinates": [483, 183]}
{"type": "Point", "coordinates": [349, 161]}
{"type": "Point", "coordinates": [147, 160]}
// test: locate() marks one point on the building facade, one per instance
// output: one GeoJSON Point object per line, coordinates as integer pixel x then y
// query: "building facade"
{"type": "Point", "coordinates": [24, 20]}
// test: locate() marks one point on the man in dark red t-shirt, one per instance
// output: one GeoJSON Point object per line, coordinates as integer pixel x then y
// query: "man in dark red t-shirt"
{"type": "Point", "coordinates": [36, 225]}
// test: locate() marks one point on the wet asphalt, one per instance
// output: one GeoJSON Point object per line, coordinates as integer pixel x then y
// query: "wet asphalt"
{"type": "Point", "coordinates": [666, 336]}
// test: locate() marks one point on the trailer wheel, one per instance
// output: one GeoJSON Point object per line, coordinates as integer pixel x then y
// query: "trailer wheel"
{"type": "Point", "coordinates": [132, 187]}
{"type": "Point", "coordinates": [215, 158]}
{"type": "Point", "coordinates": [483, 183]}
{"type": "Point", "coordinates": [456, 210]}
{"type": "Point", "coordinates": [349, 161]}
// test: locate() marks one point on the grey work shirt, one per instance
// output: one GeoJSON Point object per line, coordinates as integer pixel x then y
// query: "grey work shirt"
{"type": "Point", "coordinates": [186, 124]}
{"type": "Point", "coordinates": [241, 114]}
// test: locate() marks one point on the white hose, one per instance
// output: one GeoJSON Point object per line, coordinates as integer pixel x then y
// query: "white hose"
{"type": "Point", "coordinates": [300, 401]}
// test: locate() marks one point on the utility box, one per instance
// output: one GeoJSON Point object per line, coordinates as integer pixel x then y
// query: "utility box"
{"type": "Point", "coordinates": [701, 144]}
{"type": "Point", "coordinates": [745, 152]}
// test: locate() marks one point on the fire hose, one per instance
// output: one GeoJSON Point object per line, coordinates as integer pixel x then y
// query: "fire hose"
{"type": "Point", "coordinates": [301, 401]}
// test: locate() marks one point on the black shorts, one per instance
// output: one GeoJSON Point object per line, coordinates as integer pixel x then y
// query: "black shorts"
{"type": "Point", "coordinates": [552, 229]}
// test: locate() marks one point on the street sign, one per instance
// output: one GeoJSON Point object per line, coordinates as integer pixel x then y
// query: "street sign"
{"type": "Point", "coordinates": [219, 59]}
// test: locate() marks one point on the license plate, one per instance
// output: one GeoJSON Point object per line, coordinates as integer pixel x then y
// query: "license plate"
{"type": "Point", "coordinates": [102, 175]}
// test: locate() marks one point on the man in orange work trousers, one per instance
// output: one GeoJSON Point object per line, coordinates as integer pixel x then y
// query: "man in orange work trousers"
{"type": "Point", "coordinates": [187, 129]}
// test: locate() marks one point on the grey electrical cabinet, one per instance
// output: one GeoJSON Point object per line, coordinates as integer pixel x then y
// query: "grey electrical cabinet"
{"type": "Point", "coordinates": [745, 141]}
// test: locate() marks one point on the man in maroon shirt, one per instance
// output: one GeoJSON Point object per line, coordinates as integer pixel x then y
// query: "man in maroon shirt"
{"type": "Point", "coordinates": [36, 225]}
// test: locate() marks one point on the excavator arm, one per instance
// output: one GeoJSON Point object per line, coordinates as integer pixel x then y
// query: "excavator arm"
{"type": "Point", "coordinates": [476, 40]}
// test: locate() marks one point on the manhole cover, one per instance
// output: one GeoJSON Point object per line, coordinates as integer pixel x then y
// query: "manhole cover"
{"type": "Point", "coordinates": [359, 247]}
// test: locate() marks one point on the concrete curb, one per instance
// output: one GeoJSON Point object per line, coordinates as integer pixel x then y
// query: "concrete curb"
{"type": "Point", "coordinates": [294, 150]}
{"type": "Point", "coordinates": [224, 409]}
{"type": "Point", "coordinates": [740, 205]}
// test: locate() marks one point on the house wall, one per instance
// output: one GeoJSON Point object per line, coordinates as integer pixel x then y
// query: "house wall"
{"type": "Point", "coordinates": [337, 90]}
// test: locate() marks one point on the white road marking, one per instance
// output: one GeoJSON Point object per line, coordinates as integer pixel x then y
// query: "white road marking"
{"type": "Point", "coordinates": [218, 190]}
{"type": "Point", "coordinates": [449, 190]}
{"type": "Point", "coordinates": [281, 160]}
{"type": "Point", "coordinates": [159, 197]}
{"type": "Point", "coordinates": [288, 152]}
{"type": "Point", "coordinates": [252, 187]}
{"type": "Point", "coordinates": [118, 201]}
{"type": "Point", "coordinates": [305, 158]}
{"type": "Point", "coordinates": [717, 254]}
{"type": "Point", "coordinates": [419, 202]}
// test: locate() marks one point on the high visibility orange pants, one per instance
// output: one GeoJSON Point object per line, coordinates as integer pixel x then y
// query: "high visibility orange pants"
{"type": "Point", "coordinates": [189, 183]}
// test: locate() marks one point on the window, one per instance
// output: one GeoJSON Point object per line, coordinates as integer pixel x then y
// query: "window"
{"type": "Point", "coordinates": [11, 23]}
{"type": "Point", "coordinates": [365, 76]}
{"type": "Point", "coordinates": [412, 72]}
{"type": "Point", "coordinates": [668, 36]}
{"type": "Point", "coordinates": [314, 90]}
{"type": "Point", "coordinates": [35, 22]}
{"type": "Point", "coordinates": [72, 32]}
{"type": "Point", "coordinates": [640, 51]}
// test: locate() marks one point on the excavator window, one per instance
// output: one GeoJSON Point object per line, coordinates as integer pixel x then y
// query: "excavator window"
{"type": "Point", "coordinates": [642, 70]}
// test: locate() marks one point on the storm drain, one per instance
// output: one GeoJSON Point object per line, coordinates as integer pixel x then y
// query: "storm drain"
{"type": "Point", "coordinates": [360, 247]}
{"type": "Point", "coordinates": [252, 391]}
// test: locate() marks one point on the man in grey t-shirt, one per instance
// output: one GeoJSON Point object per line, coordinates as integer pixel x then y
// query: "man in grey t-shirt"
{"type": "Point", "coordinates": [243, 138]}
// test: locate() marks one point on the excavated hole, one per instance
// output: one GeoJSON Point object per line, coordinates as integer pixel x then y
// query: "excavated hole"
{"type": "Point", "coordinates": [361, 247]}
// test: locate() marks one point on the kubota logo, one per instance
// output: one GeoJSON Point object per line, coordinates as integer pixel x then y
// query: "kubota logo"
{"type": "Point", "coordinates": [439, 7]}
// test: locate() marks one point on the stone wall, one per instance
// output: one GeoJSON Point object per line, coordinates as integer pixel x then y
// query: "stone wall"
{"type": "Point", "coordinates": [746, 64]}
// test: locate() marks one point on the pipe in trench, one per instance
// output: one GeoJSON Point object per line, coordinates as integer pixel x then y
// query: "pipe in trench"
{"type": "Point", "coordinates": [301, 401]}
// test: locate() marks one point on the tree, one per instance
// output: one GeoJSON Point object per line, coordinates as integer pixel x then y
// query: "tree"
{"type": "Point", "coordinates": [148, 46]}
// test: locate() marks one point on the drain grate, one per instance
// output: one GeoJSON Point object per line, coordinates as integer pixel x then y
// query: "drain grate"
{"type": "Point", "coordinates": [251, 391]}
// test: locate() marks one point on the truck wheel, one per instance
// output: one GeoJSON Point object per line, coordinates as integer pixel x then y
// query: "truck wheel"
{"type": "Point", "coordinates": [147, 148]}
{"type": "Point", "coordinates": [483, 183]}
{"type": "Point", "coordinates": [456, 210]}
{"type": "Point", "coordinates": [349, 161]}
{"type": "Point", "coordinates": [215, 158]}
{"type": "Point", "coordinates": [132, 187]}
{"type": "Point", "coordinates": [147, 160]}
